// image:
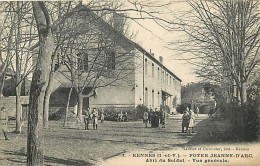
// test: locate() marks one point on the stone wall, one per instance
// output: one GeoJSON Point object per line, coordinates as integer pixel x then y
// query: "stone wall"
{"type": "Point", "coordinates": [10, 104]}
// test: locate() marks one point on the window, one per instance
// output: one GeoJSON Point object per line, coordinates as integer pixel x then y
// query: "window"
{"type": "Point", "coordinates": [158, 74]}
{"type": "Point", "coordinates": [152, 70]}
{"type": "Point", "coordinates": [146, 97]}
{"type": "Point", "coordinates": [167, 79]}
{"type": "Point", "coordinates": [111, 60]}
{"type": "Point", "coordinates": [79, 61]}
{"type": "Point", "coordinates": [82, 61]}
{"type": "Point", "coordinates": [170, 81]}
{"type": "Point", "coordinates": [163, 76]}
{"type": "Point", "coordinates": [145, 66]}
{"type": "Point", "coordinates": [153, 98]}
{"type": "Point", "coordinates": [159, 103]}
{"type": "Point", "coordinates": [85, 62]}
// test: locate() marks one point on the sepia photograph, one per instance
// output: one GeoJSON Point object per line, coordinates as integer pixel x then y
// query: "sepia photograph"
{"type": "Point", "coordinates": [130, 83]}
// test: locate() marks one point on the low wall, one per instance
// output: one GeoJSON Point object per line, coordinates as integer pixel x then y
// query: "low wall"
{"type": "Point", "coordinates": [10, 104]}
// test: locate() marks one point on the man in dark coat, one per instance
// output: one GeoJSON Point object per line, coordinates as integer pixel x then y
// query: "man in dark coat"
{"type": "Point", "coordinates": [157, 118]}
{"type": "Point", "coordinates": [185, 120]}
{"type": "Point", "coordinates": [87, 118]}
{"type": "Point", "coordinates": [3, 122]}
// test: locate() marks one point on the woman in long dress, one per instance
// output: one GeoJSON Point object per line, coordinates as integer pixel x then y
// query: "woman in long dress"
{"type": "Point", "coordinates": [95, 118]}
{"type": "Point", "coordinates": [192, 121]}
{"type": "Point", "coordinates": [145, 118]}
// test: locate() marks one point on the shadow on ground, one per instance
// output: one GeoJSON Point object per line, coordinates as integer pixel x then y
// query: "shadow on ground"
{"type": "Point", "coordinates": [210, 131]}
{"type": "Point", "coordinates": [47, 160]}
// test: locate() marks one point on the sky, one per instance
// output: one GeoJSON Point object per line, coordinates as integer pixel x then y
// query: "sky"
{"type": "Point", "coordinates": [154, 37]}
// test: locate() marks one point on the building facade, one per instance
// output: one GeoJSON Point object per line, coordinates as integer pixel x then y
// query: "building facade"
{"type": "Point", "coordinates": [111, 70]}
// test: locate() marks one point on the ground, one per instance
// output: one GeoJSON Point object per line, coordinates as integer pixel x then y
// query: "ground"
{"type": "Point", "coordinates": [76, 146]}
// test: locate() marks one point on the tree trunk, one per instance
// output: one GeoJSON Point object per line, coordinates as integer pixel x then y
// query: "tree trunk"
{"type": "Point", "coordinates": [46, 109]}
{"type": "Point", "coordinates": [67, 108]}
{"type": "Point", "coordinates": [18, 70]}
{"type": "Point", "coordinates": [47, 102]}
{"type": "Point", "coordinates": [243, 94]}
{"type": "Point", "coordinates": [2, 83]}
{"type": "Point", "coordinates": [18, 109]}
{"type": "Point", "coordinates": [80, 106]}
{"type": "Point", "coordinates": [39, 84]}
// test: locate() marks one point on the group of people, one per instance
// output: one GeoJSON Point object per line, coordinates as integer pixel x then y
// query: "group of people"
{"type": "Point", "coordinates": [188, 120]}
{"type": "Point", "coordinates": [154, 117]}
{"type": "Point", "coordinates": [122, 117]}
{"type": "Point", "coordinates": [92, 115]}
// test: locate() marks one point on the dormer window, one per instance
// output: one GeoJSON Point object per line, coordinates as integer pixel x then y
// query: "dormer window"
{"type": "Point", "coordinates": [82, 61]}
{"type": "Point", "coordinates": [111, 60]}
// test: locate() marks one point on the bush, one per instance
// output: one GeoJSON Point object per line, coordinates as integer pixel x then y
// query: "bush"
{"type": "Point", "coordinates": [112, 112]}
{"type": "Point", "coordinates": [58, 114]}
{"type": "Point", "coordinates": [165, 108]}
{"type": "Point", "coordinates": [181, 108]}
{"type": "Point", "coordinates": [139, 111]}
{"type": "Point", "coordinates": [252, 121]}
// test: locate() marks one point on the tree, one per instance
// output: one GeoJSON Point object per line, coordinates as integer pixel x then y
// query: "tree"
{"type": "Point", "coordinates": [43, 66]}
{"type": "Point", "coordinates": [224, 37]}
{"type": "Point", "coordinates": [93, 57]}
{"type": "Point", "coordinates": [6, 38]}
{"type": "Point", "coordinates": [39, 85]}
{"type": "Point", "coordinates": [192, 93]}
{"type": "Point", "coordinates": [17, 52]}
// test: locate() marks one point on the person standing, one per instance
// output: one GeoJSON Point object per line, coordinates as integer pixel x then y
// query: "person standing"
{"type": "Point", "coordinates": [149, 116]}
{"type": "Point", "coordinates": [3, 122]}
{"type": "Point", "coordinates": [185, 120]}
{"type": "Point", "coordinates": [152, 118]}
{"type": "Point", "coordinates": [86, 118]}
{"type": "Point", "coordinates": [102, 115]}
{"type": "Point", "coordinates": [163, 118]}
{"type": "Point", "coordinates": [197, 111]}
{"type": "Point", "coordinates": [211, 111]}
{"type": "Point", "coordinates": [125, 116]}
{"type": "Point", "coordinates": [95, 118]}
{"type": "Point", "coordinates": [145, 118]}
{"type": "Point", "coordinates": [157, 118]}
{"type": "Point", "coordinates": [191, 121]}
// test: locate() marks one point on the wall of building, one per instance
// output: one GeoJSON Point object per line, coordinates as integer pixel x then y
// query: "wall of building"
{"type": "Point", "coordinates": [111, 96]}
{"type": "Point", "coordinates": [151, 79]}
{"type": "Point", "coordinates": [10, 104]}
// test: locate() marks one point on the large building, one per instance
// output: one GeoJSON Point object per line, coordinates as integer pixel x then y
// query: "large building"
{"type": "Point", "coordinates": [111, 70]}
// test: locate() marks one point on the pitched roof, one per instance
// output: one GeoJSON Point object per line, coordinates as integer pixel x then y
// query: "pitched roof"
{"type": "Point", "coordinates": [104, 26]}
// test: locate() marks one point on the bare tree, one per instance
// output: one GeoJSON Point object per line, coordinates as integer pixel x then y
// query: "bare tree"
{"type": "Point", "coordinates": [224, 37]}
{"type": "Point", "coordinates": [43, 67]}
{"type": "Point", "coordinates": [39, 85]}
{"type": "Point", "coordinates": [17, 52]}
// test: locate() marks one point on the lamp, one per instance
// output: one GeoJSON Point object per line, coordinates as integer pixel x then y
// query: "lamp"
{"type": "Point", "coordinates": [94, 94]}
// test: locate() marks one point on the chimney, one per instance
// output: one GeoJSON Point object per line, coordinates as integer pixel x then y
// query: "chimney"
{"type": "Point", "coordinates": [118, 22]}
{"type": "Point", "coordinates": [151, 53]}
{"type": "Point", "coordinates": [161, 59]}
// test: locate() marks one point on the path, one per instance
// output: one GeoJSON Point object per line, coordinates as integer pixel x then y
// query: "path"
{"type": "Point", "coordinates": [79, 147]}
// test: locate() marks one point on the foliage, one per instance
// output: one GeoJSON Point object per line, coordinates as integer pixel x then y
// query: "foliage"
{"type": "Point", "coordinates": [254, 92]}
{"type": "Point", "coordinates": [181, 108]}
{"type": "Point", "coordinates": [166, 108]}
{"type": "Point", "coordinates": [192, 92]}
{"type": "Point", "coordinates": [57, 115]}
{"type": "Point", "coordinates": [140, 109]}
{"type": "Point", "coordinates": [216, 91]}
{"type": "Point", "coordinates": [112, 112]}
{"type": "Point", "coordinates": [253, 111]}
